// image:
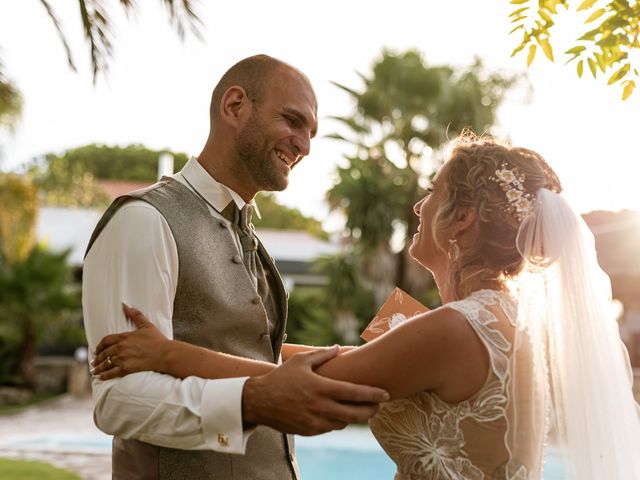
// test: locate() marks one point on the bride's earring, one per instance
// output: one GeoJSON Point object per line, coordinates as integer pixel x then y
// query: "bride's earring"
{"type": "Point", "coordinates": [454, 249]}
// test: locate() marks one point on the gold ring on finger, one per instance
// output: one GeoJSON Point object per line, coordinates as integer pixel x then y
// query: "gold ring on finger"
{"type": "Point", "coordinates": [109, 362]}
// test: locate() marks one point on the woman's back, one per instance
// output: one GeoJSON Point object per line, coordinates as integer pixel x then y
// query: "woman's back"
{"type": "Point", "coordinates": [429, 438]}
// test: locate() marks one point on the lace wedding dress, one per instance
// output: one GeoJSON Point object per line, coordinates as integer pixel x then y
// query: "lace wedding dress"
{"type": "Point", "coordinates": [429, 438]}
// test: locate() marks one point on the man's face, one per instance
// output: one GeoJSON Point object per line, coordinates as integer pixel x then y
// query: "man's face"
{"type": "Point", "coordinates": [278, 133]}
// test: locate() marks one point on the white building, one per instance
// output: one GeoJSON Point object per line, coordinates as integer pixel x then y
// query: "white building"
{"type": "Point", "coordinates": [293, 251]}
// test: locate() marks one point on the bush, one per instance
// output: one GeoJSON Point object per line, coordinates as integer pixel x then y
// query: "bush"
{"type": "Point", "coordinates": [37, 296]}
{"type": "Point", "coordinates": [309, 321]}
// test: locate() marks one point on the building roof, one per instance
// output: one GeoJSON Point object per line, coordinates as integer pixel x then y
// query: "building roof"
{"type": "Point", "coordinates": [61, 228]}
{"type": "Point", "coordinates": [294, 245]}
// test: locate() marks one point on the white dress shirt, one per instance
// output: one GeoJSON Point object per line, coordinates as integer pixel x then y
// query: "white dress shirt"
{"type": "Point", "coordinates": [135, 260]}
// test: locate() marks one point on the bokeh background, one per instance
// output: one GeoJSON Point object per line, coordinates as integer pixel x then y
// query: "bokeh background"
{"type": "Point", "coordinates": [396, 82]}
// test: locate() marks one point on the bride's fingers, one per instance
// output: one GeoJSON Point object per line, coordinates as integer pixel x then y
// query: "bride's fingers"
{"type": "Point", "coordinates": [108, 341]}
{"type": "Point", "coordinates": [105, 366]}
{"type": "Point", "coordinates": [101, 357]}
{"type": "Point", "coordinates": [114, 372]}
{"type": "Point", "coordinates": [136, 316]}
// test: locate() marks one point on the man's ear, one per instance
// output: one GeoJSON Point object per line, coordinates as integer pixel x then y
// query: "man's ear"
{"type": "Point", "coordinates": [235, 106]}
{"type": "Point", "coordinates": [465, 219]}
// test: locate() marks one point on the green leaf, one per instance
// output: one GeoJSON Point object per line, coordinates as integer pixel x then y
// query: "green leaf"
{"type": "Point", "coordinates": [576, 50]}
{"type": "Point", "coordinates": [518, 48]}
{"type": "Point", "coordinates": [586, 4]}
{"type": "Point", "coordinates": [595, 15]}
{"type": "Point", "coordinates": [546, 47]}
{"type": "Point", "coordinates": [517, 12]}
{"type": "Point", "coordinates": [621, 72]}
{"type": "Point", "coordinates": [629, 86]}
{"type": "Point", "coordinates": [590, 35]}
{"type": "Point", "coordinates": [516, 28]}
{"type": "Point", "coordinates": [532, 55]}
{"type": "Point", "coordinates": [545, 16]}
{"type": "Point", "coordinates": [518, 2]}
{"type": "Point", "coordinates": [592, 66]}
{"type": "Point", "coordinates": [580, 68]}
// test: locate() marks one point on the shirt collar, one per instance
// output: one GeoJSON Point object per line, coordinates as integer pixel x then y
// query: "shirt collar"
{"type": "Point", "coordinates": [214, 192]}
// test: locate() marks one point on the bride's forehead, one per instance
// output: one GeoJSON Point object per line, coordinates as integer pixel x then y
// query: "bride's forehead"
{"type": "Point", "coordinates": [441, 175]}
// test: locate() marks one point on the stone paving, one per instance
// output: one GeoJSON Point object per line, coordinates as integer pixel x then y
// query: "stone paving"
{"type": "Point", "coordinates": [64, 416]}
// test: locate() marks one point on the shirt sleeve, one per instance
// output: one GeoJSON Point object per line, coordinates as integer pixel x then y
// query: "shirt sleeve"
{"type": "Point", "coordinates": [135, 260]}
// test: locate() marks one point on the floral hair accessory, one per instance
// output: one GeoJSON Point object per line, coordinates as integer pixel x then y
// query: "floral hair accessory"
{"type": "Point", "coordinates": [511, 181]}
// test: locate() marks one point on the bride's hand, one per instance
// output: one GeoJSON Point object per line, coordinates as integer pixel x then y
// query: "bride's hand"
{"type": "Point", "coordinates": [142, 349]}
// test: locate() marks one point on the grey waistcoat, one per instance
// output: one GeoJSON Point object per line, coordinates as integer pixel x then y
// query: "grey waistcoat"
{"type": "Point", "coordinates": [216, 306]}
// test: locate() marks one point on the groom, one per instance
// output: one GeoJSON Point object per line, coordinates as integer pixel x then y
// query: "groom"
{"type": "Point", "coordinates": [183, 251]}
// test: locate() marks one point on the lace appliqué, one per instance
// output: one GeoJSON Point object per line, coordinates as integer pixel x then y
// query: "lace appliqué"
{"type": "Point", "coordinates": [422, 433]}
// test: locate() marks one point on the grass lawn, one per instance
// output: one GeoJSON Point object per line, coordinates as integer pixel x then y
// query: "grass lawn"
{"type": "Point", "coordinates": [28, 470]}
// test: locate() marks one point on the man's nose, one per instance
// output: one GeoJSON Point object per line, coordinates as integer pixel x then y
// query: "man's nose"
{"type": "Point", "coordinates": [302, 145]}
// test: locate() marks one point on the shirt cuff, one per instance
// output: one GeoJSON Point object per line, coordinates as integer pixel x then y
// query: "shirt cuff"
{"type": "Point", "coordinates": [222, 415]}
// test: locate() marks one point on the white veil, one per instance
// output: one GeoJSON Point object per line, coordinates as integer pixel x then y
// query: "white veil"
{"type": "Point", "coordinates": [569, 370]}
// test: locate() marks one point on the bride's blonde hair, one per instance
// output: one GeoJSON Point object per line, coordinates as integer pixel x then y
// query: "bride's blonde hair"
{"type": "Point", "coordinates": [471, 182]}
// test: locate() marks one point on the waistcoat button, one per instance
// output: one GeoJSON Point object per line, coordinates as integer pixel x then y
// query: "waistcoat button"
{"type": "Point", "coordinates": [222, 225]}
{"type": "Point", "coordinates": [255, 300]}
{"type": "Point", "coordinates": [236, 259]}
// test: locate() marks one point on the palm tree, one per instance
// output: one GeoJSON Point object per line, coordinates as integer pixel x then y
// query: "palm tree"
{"type": "Point", "coordinates": [35, 285]}
{"type": "Point", "coordinates": [10, 102]}
{"type": "Point", "coordinates": [345, 293]}
{"type": "Point", "coordinates": [97, 26]}
{"type": "Point", "coordinates": [404, 114]}
{"type": "Point", "coordinates": [36, 294]}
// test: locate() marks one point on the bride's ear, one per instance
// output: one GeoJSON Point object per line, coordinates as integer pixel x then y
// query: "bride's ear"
{"type": "Point", "coordinates": [465, 219]}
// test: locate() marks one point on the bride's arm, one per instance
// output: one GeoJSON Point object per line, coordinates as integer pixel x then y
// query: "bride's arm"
{"type": "Point", "coordinates": [290, 349]}
{"type": "Point", "coordinates": [437, 351]}
{"type": "Point", "coordinates": [147, 349]}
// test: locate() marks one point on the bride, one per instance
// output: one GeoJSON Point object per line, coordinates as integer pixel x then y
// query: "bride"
{"type": "Point", "coordinates": [523, 344]}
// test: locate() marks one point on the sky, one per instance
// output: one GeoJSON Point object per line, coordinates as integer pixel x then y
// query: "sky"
{"type": "Point", "coordinates": [158, 88]}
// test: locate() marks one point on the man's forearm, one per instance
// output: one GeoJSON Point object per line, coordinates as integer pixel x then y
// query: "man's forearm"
{"type": "Point", "coordinates": [168, 412]}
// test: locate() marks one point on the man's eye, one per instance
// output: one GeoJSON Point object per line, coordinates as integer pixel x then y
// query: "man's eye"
{"type": "Point", "coordinates": [293, 122]}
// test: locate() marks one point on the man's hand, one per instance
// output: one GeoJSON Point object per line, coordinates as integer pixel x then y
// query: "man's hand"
{"type": "Point", "coordinates": [294, 399]}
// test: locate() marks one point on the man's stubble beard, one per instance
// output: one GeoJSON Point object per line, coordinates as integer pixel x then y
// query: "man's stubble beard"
{"type": "Point", "coordinates": [255, 160]}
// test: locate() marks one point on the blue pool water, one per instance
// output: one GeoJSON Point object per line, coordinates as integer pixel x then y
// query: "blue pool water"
{"type": "Point", "coordinates": [349, 454]}
{"type": "Point", "coordinates": [354, 454]}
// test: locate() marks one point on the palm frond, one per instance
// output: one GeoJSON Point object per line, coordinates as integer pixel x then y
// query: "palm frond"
{"type": "Point", "coordinates": [96, 26]}
{"type": "Point", "coordinates": [182, 15]}
{"type": "Point", "coordinates": [344, 88]}
{"type": "Point", "coordinates": [61, 35]}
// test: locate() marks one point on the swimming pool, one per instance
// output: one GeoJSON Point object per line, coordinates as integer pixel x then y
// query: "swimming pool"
{"type": "Point", "coordinates": [353, 454]}
{"type": "Point", "coordinates": [349, 454]}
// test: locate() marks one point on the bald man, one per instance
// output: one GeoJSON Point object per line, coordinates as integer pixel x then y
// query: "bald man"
{"type": "Point", "coordinates": [177, 252]}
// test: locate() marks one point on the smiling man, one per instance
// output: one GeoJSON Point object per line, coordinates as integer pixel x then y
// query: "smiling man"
{"type": "Point", "coordinates": [184, 252]}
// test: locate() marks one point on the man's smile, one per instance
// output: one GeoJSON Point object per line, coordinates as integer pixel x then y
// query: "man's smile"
{"type": "Point", "coordinates": [286, 159]}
